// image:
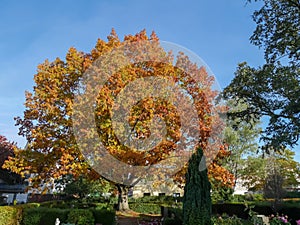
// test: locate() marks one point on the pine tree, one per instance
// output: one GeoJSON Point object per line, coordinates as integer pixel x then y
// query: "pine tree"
{"type": "Point", "coordinates": [196, 200]}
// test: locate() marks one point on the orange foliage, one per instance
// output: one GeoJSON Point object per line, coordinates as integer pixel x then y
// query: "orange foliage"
{"type": "Point", "coordinates": [52, 149]}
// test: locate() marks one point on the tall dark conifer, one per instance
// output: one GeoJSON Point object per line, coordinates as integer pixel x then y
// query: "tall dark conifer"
{"type": "Point", "coordinates": [197, 200]}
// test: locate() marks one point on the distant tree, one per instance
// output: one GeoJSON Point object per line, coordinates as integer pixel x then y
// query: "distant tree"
{"type": "Point", "coordinates": [282, 172]}
{"type": "Point", "coordinates": [241, 138]}
{"type": "Point", "coordinates": [272, 90]}
{"type": "Point", "coordinates": [6, 151]}
{"type": "Point", "coordinates": [196, 201]}
{"type": "Point", "coordinates": [78, 188]}
{"type": "Point", "coordinates": [84, 187]}
{"type": "Point", "coordinates": [273, 188]}
{"type": "Point", "coordinates": [258, 169]}
{"type": "Point", "coordinates": [284, 164]}
{"type": "Point", "coordinates": [253, 173]}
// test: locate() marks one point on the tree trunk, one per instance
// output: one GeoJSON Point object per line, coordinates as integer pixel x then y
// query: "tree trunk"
{"type": "Point", "coordinates": [123, 197]}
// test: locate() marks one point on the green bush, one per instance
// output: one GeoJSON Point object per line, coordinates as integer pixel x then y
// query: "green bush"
{"type": "Point", "coordinates": [238, 198]}
{"type": "Point", "coordinates": [104, 206]}
{"type": "Point", "coordinates": [166, 200]}
{"type": "Point", "coordinates": [32, 219]}
{"type": "Point", "coordinates": [10, 215]}
{"type": "Point", "coordinates": [292, 194]}
{"type": "Point", "coordinates": [58, 204]}
{"type": "Point", "coordinates": [230, 209]}
{"type": "Point", "coordinates": [172, 221]}
{"type": "Point", "coordinates": [31, 205]}
{"type": "Point", "coordinates": [175, 216]}
{"type": "Point", "coordinates": [222, 194]}
{"type": "Point", "coordinates": [254, 197]}
{"type": "Point", "coordinates": [146, 208]}
{"type": "Point", "coordinates": [75, 204]}
{"type": "Point", "coordinates": [280, 219]}
{"type": "Point", "coordinates": [224, 220]}
{"type": "Point", "coordinates": [104, 216]}
{"type": "Point", "coordinates": [43, 216]}
{"type": "Point", "coordinates": [175, 212]}
{"type": "Point", "coordinates": [81, 217]}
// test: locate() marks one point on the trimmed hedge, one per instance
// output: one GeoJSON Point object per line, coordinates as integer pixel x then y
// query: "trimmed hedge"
{"type": "Point", "coordinates": [146, 208]}
{"type": "Point", "coordinates": [81, 217]}
{"type": "Point", "coordinates": [44, 216]}
{"type": "Point", "coordinates": [166, 200]}
{"type": "Point", "coordinates": [231, 210]}
{"type": "Point", "coordinates": [32, 214]}
{"type": "Point", "coordinates": [172, 221]}
{"type": "Point", "coordinates": [10, 215]}
{"type": "Point", "coordinates": [47, 216]}
{"type": "Point", "coordinates": [104, 216]}
{"type": "Point", "coordinates": [74, 204]}
{"type": "Point", "coordinates": [292, 194]}
{"type": "Point", "coordinates": [239, 210]}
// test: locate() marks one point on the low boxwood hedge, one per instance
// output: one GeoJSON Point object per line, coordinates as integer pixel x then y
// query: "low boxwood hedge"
{"type": "Point", "coordinates": [44, 216]}
{"type": "Point", "coordinates": [81, 217]}
{"type": "Point", "coordinates": [104, 216]}
{"type": "Point", "coordinates": [33, 214]}
{"type": "Point", "coordinates": [146, 208]}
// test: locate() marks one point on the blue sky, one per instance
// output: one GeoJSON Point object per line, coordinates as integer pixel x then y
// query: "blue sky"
{"type": "Point", "coordinates": [32, 31]}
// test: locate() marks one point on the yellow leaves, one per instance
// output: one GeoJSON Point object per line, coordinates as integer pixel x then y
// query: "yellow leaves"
{"type": "Point", "coordinates": [53, 150]}
{"type": "Point", "coordinates": [221, 175]}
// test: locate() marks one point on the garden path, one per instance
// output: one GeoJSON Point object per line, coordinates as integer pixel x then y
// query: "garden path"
{"type": "Point", "coordinates": [123, 220]}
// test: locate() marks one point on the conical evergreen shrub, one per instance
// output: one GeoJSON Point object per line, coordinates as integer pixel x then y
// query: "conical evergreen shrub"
{"type": "Point", "coordinates": [196, 200]}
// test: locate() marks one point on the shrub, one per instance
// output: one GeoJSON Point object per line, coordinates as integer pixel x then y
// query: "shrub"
{"type": "Point", "coordinates": [221, 194]}
{"type": "Point", "coordinates": [277, 220]}
{"type": "Point", "coordinates": [43, 216]}
{"type": "Point", "coordinates": [238, 198]}
{"type": "Point", "coordinates": [146, 208]}
{"type": "Point", "coordinates": [31, 205]}
{"type": "Point", "coordinates": [230, 209]}
{"type": "Point", "coordinates": [166, 200]}
{"type": "Point", "coordinates": [258, 197]}
{"type": "Point", "coordinates": [10, 215]}
{"type": "Point", "coordinates": [292, 194]}
{"type": "Point", "coordinates": [103, 206]}
{"type": "Point", "coordinates": [254, 197]}
{"type": "Point", "coordinates": [172, 215]}
{"type": "Point", "coordinates": [32, 219]}
{"type": "Point", "coordinates": [103, 216]}
{"type": "Point", "coordinates": [226, 220]}
{"type": "Point", "coordinates": [81, 217]}
{"type": "Point", "coordinates": [172, 221]}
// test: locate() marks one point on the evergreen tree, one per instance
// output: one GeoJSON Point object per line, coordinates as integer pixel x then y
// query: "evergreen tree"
{"type": "Point", "coordinates": [196, 200]}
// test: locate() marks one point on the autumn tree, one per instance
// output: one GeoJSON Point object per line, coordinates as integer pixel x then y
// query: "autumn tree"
{"type": "Point", "coordinates": [6, 151]}
{"type": "Point", "coordinates": [272, 90]}
{"type": "Point", "coordinates": [88, 115]}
